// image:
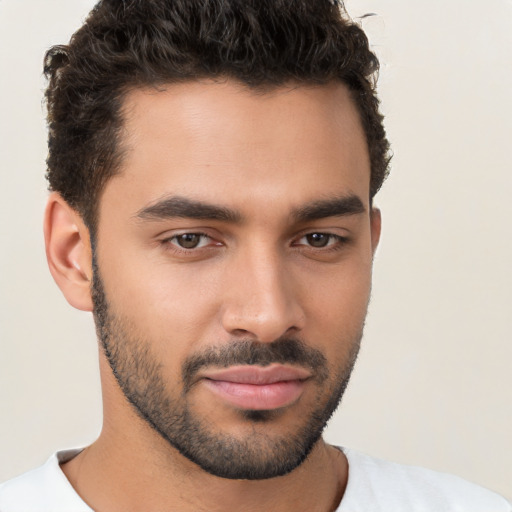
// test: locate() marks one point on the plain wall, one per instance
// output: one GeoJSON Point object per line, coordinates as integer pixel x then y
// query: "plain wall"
{"type": "Point", "coordinates": [432, 386]}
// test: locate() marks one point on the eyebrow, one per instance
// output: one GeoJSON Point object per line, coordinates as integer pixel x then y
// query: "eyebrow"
{"type": "Point", "coordinates": [182, 207]}
{"type": "Point", "coordinates": [331, 207]}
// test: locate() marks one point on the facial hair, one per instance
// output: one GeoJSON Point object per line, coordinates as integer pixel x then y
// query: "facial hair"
{"type": "Point", "coordinates": [258, 455]}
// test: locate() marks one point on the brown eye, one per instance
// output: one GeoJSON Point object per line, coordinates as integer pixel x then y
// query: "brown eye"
{"type": "Point", "coordinates": [188, 240]}
{"type": "Point", "coordinates": [318, 239]}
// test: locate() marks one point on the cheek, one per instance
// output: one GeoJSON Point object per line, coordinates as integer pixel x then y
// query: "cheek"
{"type": "Point", "coordinates": [170, 305]}
{"type": "Point", "coordinates": [338, 297]}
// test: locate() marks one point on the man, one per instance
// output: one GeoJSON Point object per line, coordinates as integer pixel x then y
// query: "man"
{"type": "Point", "coordinates": [213, 167]}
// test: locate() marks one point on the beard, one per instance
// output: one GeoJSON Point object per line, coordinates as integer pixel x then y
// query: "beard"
{"type": "Point", "coordinates": [255, 456]}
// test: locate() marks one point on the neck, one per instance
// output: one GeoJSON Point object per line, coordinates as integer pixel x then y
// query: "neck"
{"type": "Point", "coordinates": [108, 476]}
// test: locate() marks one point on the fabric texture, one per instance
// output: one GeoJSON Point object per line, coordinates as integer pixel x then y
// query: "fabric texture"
{"type": "Point", "coordinates": [45, 489]}
{"type": "Point", "coordinates": [376, 485]}
{"type": "Point", "coordinates": [373, 486]}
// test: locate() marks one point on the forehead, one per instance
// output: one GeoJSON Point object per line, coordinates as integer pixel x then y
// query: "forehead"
{"type": "Point", "coordinates": [222, 142]}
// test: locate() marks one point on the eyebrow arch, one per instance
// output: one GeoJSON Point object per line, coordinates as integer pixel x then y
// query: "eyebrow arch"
{"type": "Point", "coordinates": [182, 207]}
{"type": "Point", "coordinates": [331, 207]}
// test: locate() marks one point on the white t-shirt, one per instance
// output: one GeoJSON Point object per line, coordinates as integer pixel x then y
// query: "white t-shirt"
{"type": "Point", "coordinates": [373, 486]}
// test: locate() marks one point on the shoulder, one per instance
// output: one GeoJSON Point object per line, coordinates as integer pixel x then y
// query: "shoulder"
{"type": "Point", "coordinates": [379, 485]}
{"type": "Point", "coordinates": [42, 490]}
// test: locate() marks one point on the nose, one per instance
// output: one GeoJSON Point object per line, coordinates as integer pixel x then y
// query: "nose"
{"type": "Point", "coordinates": [262, 299]}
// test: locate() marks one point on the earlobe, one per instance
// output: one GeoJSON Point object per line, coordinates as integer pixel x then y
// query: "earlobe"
{"type": "Point", "coordinates": [375, 226]}
{"type": "Point", "coordinates": [68, 251]}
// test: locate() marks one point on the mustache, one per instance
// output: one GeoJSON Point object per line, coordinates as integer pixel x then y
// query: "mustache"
{"type": "Point", "coordinates": [249, 352]}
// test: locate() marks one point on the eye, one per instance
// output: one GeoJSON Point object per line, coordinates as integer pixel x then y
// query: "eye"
{"type": "Point", "coordinates": [320, 240]}
{"type": "Point", "coordinates": [190, 240]}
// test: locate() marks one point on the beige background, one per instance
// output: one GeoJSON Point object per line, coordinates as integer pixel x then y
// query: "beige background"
{"type": "Point", "coordinates": [433, 383]}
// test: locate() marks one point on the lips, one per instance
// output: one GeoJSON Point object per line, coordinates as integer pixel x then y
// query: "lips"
{"type": "Point", "coordinates": [257, 387]}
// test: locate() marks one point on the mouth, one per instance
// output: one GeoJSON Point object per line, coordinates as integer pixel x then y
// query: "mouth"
{"type": "Point", "coordinates": [256, 387]}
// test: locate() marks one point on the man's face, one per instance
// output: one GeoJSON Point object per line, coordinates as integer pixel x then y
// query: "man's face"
{"type": "Point", "coordinates": [233, 267]}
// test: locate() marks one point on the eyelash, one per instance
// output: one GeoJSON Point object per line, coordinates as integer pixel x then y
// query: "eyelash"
{"type": "Point", "coordinates": [177, 248]}
{"type": "Point", "coordinates": [338, 241]}
{"type": "Point", "coordinates": [335, 242]}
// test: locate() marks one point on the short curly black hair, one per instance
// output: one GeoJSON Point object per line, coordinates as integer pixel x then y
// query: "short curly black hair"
{"type": "Point", "coordinates": [125, 44]}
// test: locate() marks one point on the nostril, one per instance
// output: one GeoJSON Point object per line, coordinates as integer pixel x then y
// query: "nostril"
{"type": "Point", "coordinates": [240, 333]}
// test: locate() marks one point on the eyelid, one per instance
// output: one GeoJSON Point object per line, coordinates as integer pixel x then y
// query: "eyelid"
{"type": "Point", "coordinates": [169, 243]}
{"type": "Point", "coordinates": [335, 231]}
{"type": "Point", "coordinates": [202, 237]}
{"type": "Point", "coordinates": [169, 234]}
{"type": "Point", "coordinates": [336, 240]}
{"type": "Point", "coordinates": [333, 236]}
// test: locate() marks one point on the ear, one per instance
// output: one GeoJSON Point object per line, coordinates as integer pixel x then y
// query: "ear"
{"type": "Point", "coordinates": [68, 251]}
{"type": "Point", "coordinates": [375, 227]}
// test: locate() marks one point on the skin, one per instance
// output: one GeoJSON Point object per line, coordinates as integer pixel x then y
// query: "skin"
{"type": "Point", "coordinates": [259, 278]}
